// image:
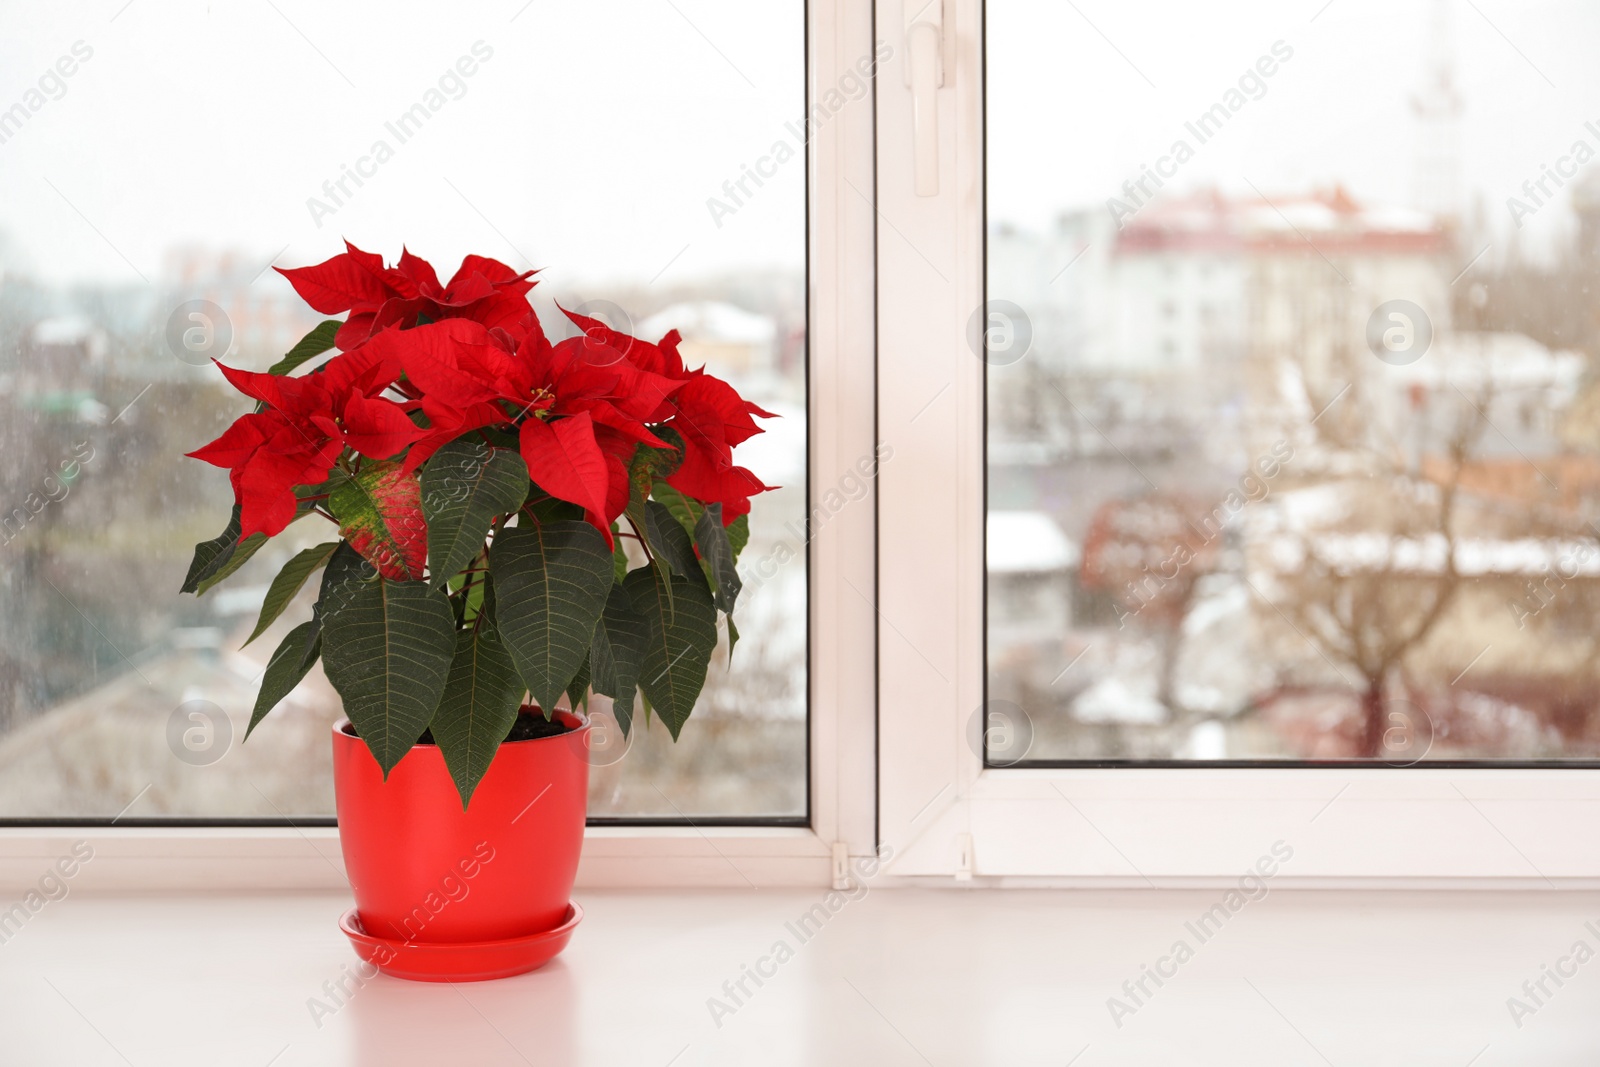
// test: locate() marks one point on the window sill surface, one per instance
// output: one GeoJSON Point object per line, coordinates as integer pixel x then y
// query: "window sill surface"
{"type": "Point", "coordinates": [889, 976]}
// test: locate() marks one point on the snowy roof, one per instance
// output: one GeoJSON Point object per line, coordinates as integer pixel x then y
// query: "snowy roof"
{"type": "Point", "coordinates": [1027, 542]}
{"type": "Point", "coordinates": [1308, 507]}
{"type": "Point", "coordinates": [1474, 358]}
{"type": "Point", "coordinates": [66, 330]}
{"type": "Point", "coordinates": [711, 320]}
{"type": "Point", "coordinates": [1215, 222]}
{"type": "Point", "coordinates": [1356, 552]}
{"type": "Point", "coordinates": [1114, 700]}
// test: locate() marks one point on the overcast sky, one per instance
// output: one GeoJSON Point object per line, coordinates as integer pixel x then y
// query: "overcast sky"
{"type": "Point", "coordinates": [1071, 118]}
{"type": "Point", "coordinates": [588, 143]}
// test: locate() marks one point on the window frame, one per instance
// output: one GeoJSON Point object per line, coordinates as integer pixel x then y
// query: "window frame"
{"type": "Point", "coordinates": [948, 816]}
{"type": "Point", "coordinates": [620, 853]}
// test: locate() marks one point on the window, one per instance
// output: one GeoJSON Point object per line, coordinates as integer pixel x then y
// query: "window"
{"type": "Point", "coordinates": [1340, 516]}
{"type": "Point", "coordinates": [1009, 258]}
{"type": "Point", "coordinates": [142, 202]}
{"type": "Point", "coordinates": [1097, 460]}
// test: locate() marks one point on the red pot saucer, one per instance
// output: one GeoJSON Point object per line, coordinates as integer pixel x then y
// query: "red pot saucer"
{"type": "Point", "coordinates": [468, 961]}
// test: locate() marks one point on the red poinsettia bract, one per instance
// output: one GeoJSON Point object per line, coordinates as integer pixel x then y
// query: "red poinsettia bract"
{"type": "Point", "coordinates": [482, 290]}
{"type": "Point", "coordinates": [304, 426]}
{"type": "Point", "coordinates": [423, 364]}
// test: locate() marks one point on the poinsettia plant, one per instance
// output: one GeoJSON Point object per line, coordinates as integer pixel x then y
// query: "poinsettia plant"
{"type": "Point", "coordinates": [485, 483]}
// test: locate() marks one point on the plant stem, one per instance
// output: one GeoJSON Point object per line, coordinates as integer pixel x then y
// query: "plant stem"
{"type": "Point", "coordinates": [642, 542]}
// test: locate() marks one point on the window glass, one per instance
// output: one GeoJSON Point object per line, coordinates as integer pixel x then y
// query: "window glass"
{"type": "Point", "coordinates": [1293, 427]}
{"type": "Point", "coordinates": [157, 159]}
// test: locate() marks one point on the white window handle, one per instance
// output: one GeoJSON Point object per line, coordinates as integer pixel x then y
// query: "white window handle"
{"type": "Point", "coordinates": [924, 73]}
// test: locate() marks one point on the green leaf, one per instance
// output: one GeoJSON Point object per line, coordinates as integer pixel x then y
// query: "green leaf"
{"type": "Point", "coordinates": [344, 572]}
{"type": "Point", "coordinates": [209, 556]}
{"type": "Point", "coordinates": [219, 557]}
{"type": "Point", "coordinates": [237, 558]}
{"type": "Point", "coordinates": [682, 636]}
{"type": "Point", "coordinates": [478, 601]}
{"type": "Point", "coordinates": [478, 708]}
{"type": "Point", "coordinates": [717, 554]}
{"type": "Point", "coordinates": [619, 556]}
{"type": "Point", "coordinates": [542, 507]}
{"type": "Point", "coordinates": [313, 649]}
{"type": "Point", "coordinates": [578, 688]}
{"type": "Point", "coordinates": [670, 541]}
{"type": "Point", "coordinates": [312, 344]}
{"type": "Point", "coordinates": [288, 665]}
{"type": "Point", "coordinates": [639, 519]}
{"type": "Point", "coordinates": [380, 513]}
{"type": "Point", "coordinates": [465, 487]}
{"type": "Point", "coordinates": [500, 437]}
{"type": "Point", "coordinates": [288, 583]}
{"type": "Point", "coordinates": [685, 510]}
{"type": "Point", "coordinates": [616, 653]}
{"type": "Point", "coordinates": [387, 649]}
{"type": "Point", "coordinates": [739, 534]}
{"type": "Point", "coordinates": [647, 466]}
{"type": "Point", "coordinates": [733, 638]}
{"type": "Point", "coordinates": [550, 585]}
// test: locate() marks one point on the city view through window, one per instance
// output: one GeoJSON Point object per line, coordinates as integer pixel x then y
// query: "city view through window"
{"type": "Point", "coordinates": [144, 197]}
{"type": "Point", "coordinates": [1294, 421]}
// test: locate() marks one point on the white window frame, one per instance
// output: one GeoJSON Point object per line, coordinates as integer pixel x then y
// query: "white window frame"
{"type": "Point", "coordinates": [942, 812]}
{"type": "Point", "coordinates": [842, 623]}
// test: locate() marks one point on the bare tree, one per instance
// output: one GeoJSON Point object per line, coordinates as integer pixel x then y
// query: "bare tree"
{"type": "Point", "coordinates": [1374, 581]}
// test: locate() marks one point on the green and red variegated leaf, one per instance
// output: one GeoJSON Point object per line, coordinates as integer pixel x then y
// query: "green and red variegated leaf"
{"type": "Point", "coordinates": [380, 513]}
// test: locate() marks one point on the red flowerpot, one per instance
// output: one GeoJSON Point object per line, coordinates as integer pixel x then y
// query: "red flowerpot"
{"type": "Point", "coordinates": [447, 894]}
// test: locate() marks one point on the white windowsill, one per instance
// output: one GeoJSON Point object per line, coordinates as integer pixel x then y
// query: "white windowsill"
{"type": "Point", "coordinates": [893, 977]}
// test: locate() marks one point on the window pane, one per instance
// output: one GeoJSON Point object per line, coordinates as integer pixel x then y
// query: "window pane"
{"type": "Point", "coordinates": [1293, 446]}
{"type": "Point", "coordinates": [159, 155]}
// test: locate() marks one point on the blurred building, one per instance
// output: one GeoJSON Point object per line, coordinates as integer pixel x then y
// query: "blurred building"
{"type": "Point", "coordinates": [735, 343]}
{"type": "Point", "coordinates": [62, 361]}
{"type": "Point", "coordinates": [1206, 292]}
{"type": "Point", "coordinates": [264, 316]}
{"type": "Point", "coordinates": [1032, 566]}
